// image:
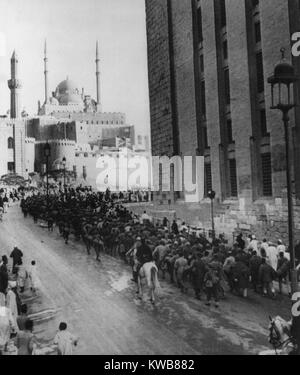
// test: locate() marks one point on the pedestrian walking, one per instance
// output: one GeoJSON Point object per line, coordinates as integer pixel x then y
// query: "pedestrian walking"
{"type": "Point", "coordinates": [283, 268]}
{"type": "Point", "coordinates": [267, 275]}
{"type": "Point", "coordinates": [255, 263]}
{"type": "Point", "coordinates": [64, 340]}
{"type": "Point", "coordinates": [33, 277]}
{"type": "Point", "coordinates": [16, 256]}
{"type": "Point", "coordinates": [272, 255]}
{"type": "Point", "coordinates": [179, 267]}
{"type": "Point", "coordinates": [11, 301]}
{"type": "Point", "coordinates": [198, 273]}
{"type": "Point", "coordinates": [3, 275]}
{"type": "Point", "coordinates": [211, 283]}
{"type": "Point", "coordinates": [241, 274]}
{"type": "Point", "coordinates": [21, 276]}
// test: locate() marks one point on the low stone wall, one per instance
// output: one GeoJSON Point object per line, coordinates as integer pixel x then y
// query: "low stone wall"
{"type": "Point", "coordinates": [265, 219]}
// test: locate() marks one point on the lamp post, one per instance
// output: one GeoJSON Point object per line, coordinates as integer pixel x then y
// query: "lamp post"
{"type": "Point", "coordinates": [64, 162]}
{"type": "Point", "coordinates": [47, 153]}
{"type": "Point", "coordinates": [211, 195]}
{"type": "Point", "coordinates": [282, 83]}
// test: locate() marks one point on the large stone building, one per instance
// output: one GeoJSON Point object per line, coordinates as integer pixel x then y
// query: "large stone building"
{"type": "Point", "coordinates": [209, 61]}
{"type": "Point", "coordinates": [69, 120]}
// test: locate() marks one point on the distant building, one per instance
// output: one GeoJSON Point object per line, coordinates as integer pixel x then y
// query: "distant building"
{"type": "Point", "coordinates": [66, 119]}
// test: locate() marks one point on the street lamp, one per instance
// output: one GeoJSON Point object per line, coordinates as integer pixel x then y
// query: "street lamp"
{"type": "Point", "coordinates": [211, 195]}
{"type": "Point", "coordinates": [47, 153]}
{"type": "Point", "coordinates": [64, 162]}
{"type": "Point", "coordinates": [282, 83]}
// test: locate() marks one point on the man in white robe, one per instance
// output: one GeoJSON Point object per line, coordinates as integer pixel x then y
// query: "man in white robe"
{"type": "Point", "coordinates": [64, 340]}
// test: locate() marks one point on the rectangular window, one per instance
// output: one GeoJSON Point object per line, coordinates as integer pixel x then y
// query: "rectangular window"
{"type": "Point", "coordinates": [257, 32]}
{"type": "Point", "coordinates": [233, 178]}
{"type": "Point", "coordinates": [207, 178]}
{"type": "Point", "coordinates": [203, 99]}
{"type": "Point", "coordinates": [227, 85]}
{"type": "Point", "coordinates": [205, 137]}
{"type": "Point", "coordinates": [225, 50]}
{"type": "Point", "coordinates": [229, 131]}
{"type": "Point", "coordinates": [260, 72]}
{"type": "Point", "coordinates": [201, 63]}
{"type": "Point", "coordinates": [199, 20]}
{"type": "Point", "coordinates": [223, 13]}
{"type": "Point", "coordinates": [11, 167]}
{"type": "Point", "coordinates": [263, 123]}
{"type": "Point", "coordinates": [267, 174]}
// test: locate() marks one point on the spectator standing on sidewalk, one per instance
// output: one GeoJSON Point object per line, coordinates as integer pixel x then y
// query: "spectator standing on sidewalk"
{"type": "Point", "coordinates": [34, 280]}
{"type": "Point", "coordinates": [64, 340]}
{"type": "Point", "coordinates": [16, 256]}
{"type": "Point", "coordinates": [3, 275]}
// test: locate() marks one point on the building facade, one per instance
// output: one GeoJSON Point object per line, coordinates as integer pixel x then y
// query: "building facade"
{"type": "Point", "coordinates": [209, 61]}
{"type": "Point", "coordinates": [71, 121]}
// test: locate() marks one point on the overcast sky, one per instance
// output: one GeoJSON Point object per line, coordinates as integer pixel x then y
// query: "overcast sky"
{"type": "Point", "coordinates": [71, 28]}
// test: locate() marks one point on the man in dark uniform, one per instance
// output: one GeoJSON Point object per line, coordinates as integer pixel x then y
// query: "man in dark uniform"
{"type": "Point", "coordinates": [16, 255]}
{"type": "Point", "coordinates": [3, 275]}
{"type": "Point", "coordinates": [144, 254]}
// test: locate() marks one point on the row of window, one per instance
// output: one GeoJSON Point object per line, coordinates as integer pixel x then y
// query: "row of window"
{"type": "Point", "coordinates": [86, 155]}
{"type": "Point", "coordinates": [105, 122]}
{"type": "Point", "coordinates": [266, 164]}
{"type": "Point", "coordinates": [265, 161]}
{"type": "Point", "coordinates": [259, 71]}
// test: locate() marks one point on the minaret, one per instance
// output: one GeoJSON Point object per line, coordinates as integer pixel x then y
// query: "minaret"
{"type": "Point", "coordinates": [98, 78]}
{"type": "Point", "coordinates": [14, 85]}
{"type": "Point", "coordinates": [46, 72]}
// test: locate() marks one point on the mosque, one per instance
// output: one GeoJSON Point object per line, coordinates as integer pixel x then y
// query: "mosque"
{"type": "Point", "coordinates": [70, 120]}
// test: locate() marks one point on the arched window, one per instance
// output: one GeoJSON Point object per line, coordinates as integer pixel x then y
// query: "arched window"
{"type": "Point", "coordinates": [10, 142]}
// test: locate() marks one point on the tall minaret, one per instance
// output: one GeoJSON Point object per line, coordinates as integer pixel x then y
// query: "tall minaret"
{"type": "Point", "coordinates": [46, 72]}
{"type": "Point", "coordinates": [14, 85]}
{"type": "Point", "coordinates": [98, 78]}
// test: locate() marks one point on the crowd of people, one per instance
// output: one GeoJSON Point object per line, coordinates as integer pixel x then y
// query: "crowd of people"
{"type": "Point", "coordinates": [16, 325]}
{"type": "Point", "coordinates": [102, 221]}
{"type": "Point", "coordinates": [188, 259]}
{"type": "Point", "coordinates": [8, 195]}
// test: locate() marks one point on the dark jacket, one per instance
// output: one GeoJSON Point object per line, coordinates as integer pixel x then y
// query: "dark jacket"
{"type": "Point", "coordinates": [144, 254]}
{"type": "Point", "coordinates": [266, 273]}
{"type": "Point", "coordinates": [16, 255]}
{"type": "Point", "coordinates": [283, 267]}
{"type": "Point", "coordinates": [198, 272]}
{"type": "Point", "coordinates": [241, 273]}
{"type": "Point", "coordinates": [255, 263]}
{"type": "Point", "coordinates": [240, 242]}
{"type": "Point", "coordinates": [3, 278]}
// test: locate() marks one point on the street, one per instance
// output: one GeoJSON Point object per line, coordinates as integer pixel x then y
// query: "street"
{"type": "Point", "coordinates": [98, 301]}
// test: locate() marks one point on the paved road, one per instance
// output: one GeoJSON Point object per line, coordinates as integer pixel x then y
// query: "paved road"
{"type": "Point", "coordinates": [98, 302]}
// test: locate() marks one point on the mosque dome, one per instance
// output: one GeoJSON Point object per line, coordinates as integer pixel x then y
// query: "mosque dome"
{"type": "Point", "coordinates": [67, 93]}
